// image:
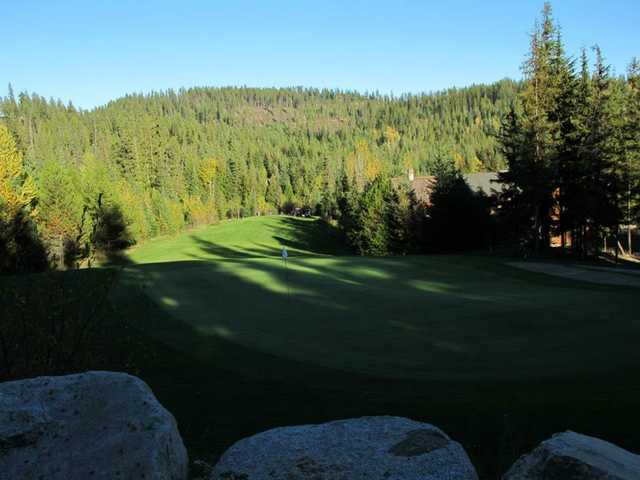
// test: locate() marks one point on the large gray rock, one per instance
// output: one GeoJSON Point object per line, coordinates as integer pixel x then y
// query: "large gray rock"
{"type": "Point", "coordinates": [572, 456]}
{"type": "Point", "coordinates": [385, 448]}
{"type": "Point", "coordinates": [95, 425]}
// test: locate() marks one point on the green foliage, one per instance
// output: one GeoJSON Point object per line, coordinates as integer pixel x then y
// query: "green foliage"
{"type": "Point", "coordinates": [370, 234]}
{"type": "Point", "coordinates": [630, 168]}
{"type": "Point", "coordinates": [20, 247]}
{"type": "Point", "coordinates": [458, 218]}
{"type": "Point", "coordinates": [531, 139]}
{"type": "Point", "coordinates": [110, 234]}
{"type": "Point", "coordinates": [17, 191]}
{"type": "Point", "coordinates": [570, 147]}
{"type": "Point", "coordinates": [60, 322]}
{"type": "Point", "coordinates": [21, 250]}
{"type": "Point", "coordinates": [170, 159]}
{"type": "Point", "coordinates": [401, 221]}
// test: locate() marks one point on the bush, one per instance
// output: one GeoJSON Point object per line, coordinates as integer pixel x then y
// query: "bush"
{"type": "Point", "coordinates": [60, 322]}
{"type": "Point", "coordinates": [21, 250]}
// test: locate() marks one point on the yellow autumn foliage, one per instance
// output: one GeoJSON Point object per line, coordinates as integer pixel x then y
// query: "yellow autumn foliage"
{"type": "Point", "coordinates": [362, 165]}
{"type": "Point", "coordinates": [199, 212]}
{"type": "Point", "coordinates": [391, 136]}
{"type": "Point", "coordinates": [17, 189]}
{"type": "Point", "coordinates": [207, 172]}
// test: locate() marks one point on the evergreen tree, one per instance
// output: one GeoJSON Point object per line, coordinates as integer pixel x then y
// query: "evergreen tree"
{"type": "Point", "coordinates": [532, 140]}
{"type": "Point", "coordinates": [370, 234]}
{"type": "Point", "coordinates": [630, 182]}
{"type": "Point", "coordinates": [458, 218]}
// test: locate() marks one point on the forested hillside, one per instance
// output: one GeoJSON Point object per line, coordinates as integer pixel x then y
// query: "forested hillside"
{"type": "Point", "coordinates": [170, 159]}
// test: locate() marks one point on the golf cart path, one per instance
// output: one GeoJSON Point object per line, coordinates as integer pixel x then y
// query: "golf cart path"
{"type": "Point", "coordinates": [610, 276]}
{"type": "Point", "coordinates": [625, 271]}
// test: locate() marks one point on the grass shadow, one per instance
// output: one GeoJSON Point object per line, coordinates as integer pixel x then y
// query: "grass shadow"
{"type": "Point", "coordinates": [222, 388]}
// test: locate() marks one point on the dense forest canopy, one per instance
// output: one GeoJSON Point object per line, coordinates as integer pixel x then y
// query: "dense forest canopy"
{"type": "Point", "coordinates": [172, 159]}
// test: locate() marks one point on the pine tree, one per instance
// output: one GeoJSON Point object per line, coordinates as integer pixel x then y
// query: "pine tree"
{"type": "Point", "coordinates": [370, 234]}
{"type": "Point", "coordinates": [631, 150]}
{"type": "Point", "coordinates": [575, 176]}
{"type": "Point", "coordinates": [533, 154]}
{"type": "Point", "coordinates": [400, 221]}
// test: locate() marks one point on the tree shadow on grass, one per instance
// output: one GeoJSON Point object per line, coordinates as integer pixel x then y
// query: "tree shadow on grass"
{"type": "Point", "coordinates": [221, 391]}
{"type": "Point", "coordinates": [222, 388]}
{"type": "Point", "coordinates": [316, 236]}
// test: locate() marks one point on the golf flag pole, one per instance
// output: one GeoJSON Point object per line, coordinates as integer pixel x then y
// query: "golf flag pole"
{"type": "Point", "coordinates": [285, 255]}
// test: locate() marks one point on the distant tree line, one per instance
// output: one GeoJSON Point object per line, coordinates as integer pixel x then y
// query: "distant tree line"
{"type": "Point", "coordinates": [162, 162]}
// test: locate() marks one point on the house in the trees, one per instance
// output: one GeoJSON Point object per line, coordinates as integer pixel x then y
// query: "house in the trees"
{"type": "Point", "coordinates": [423, 185]}
{"type": "Point", "coordinates": [485, 182]}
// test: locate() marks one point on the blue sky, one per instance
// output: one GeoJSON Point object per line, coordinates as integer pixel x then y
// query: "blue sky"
{"type": "Point", "coordinates": [93, 51]}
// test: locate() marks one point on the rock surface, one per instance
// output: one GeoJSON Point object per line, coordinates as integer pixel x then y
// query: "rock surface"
{"type": "Point", "coordinates": [572, 456]}
{"type": "Point", "coordinates": [95, 425]}
{"type": "Point", "coordinates": [384, 448]}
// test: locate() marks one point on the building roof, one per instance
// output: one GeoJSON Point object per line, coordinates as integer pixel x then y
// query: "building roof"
{"type": "Point", "coordinates": [486, 182]}
{"type": "Point", "coordinates": [422, 186]}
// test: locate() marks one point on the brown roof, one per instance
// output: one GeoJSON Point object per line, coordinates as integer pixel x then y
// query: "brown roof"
{"type": "Point", "coordinates": [422, 186]}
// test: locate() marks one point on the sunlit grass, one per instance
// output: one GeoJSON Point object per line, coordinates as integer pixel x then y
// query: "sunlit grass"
{"type": "Point", "coordinates": [428, 317]}
{"type": "Point", "coordinates": [232, 343]}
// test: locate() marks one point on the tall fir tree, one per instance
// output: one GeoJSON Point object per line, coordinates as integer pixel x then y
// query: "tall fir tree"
{"type": "Point", "coordinates": [533, 164]}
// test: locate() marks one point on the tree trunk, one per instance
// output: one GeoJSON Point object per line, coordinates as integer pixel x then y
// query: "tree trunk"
{"type": "Point", "coordinates": [629, 220]}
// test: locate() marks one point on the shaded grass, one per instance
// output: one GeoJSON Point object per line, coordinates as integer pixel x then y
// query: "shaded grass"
{"type": "Point", "coordinates": [500, 358]}
{"type": "Point", "coordinates": [437, 317]}
{"type": "Point", "coordinates": [233, 344]}
{"type": "Point", "coordinates": [221, 391]}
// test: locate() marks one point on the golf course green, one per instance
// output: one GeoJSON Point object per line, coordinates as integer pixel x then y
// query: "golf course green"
{"type": "Point", "coordinates": [422, 317]}
{"type": "Point", "coordinates": [233, 341]}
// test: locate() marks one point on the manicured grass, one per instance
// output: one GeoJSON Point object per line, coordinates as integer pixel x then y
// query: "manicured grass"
{"type": "Point", "coordinates": [254, 236]}
{"type": "Point", "coordinates": [232, 343]}
{"type": "Point", "coordinates": [421, 317]}
{"type": "Point", "coordinates": [497, 356]}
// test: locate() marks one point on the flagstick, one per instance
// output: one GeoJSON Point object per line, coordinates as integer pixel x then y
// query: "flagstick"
{"type": "Point", "coordinates": [286, 270]}
{"type": "Point", "coordinates": [285, 255]}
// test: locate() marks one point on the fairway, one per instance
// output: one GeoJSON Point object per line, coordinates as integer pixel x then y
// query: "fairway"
{"type": "Point", "coordinates": [499, 357]}
{"type": "Point", "coordinates": [424, 317]}
{"type": "Point", "coordinates": [233, 343]}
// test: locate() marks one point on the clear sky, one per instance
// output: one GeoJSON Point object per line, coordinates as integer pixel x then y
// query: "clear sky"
{"type": "Point", "coordinates": [92, 51]}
